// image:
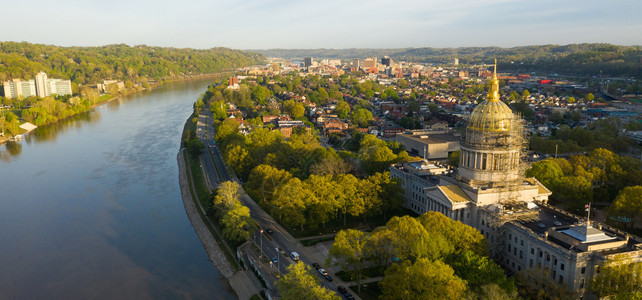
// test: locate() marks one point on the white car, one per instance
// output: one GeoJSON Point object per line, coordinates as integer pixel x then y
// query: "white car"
{"type": "Point", "coordinates": [323, 272]}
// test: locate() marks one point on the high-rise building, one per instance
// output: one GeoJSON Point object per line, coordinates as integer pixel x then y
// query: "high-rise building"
{"type": "Point", "coordinates": [370, 62]}
{"type": "Point", "coordinates": [41, 86]}
{"type": "Point", "coordinates": [386, 61]}
{"type": "Point", "coordinates": [307, 62]}
{"type": "Point", "coordinates": [489, 192]}
{"type": "Point", "coordinates": [356, 63]}
{"type": "Point", "coordinates": [456, 61]}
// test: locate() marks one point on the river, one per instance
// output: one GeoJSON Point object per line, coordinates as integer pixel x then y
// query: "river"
{"type": "Point", "coordinates": [90, 207]}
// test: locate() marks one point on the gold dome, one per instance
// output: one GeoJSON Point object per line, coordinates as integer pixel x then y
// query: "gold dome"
{"type": "Point", "coordinates": [492, 114]}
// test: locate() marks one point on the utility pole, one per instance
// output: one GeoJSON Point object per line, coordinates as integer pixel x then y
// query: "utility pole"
{"type": "Point", "coordinates": [555, 150]}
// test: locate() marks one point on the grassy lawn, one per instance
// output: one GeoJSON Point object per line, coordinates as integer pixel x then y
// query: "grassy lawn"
{"type": "Point", "coordinates": [198, 181]}
{"type": "Point", "coordinates": [370, 291]}
{"type": "Point", "coordinates": [313, 242]}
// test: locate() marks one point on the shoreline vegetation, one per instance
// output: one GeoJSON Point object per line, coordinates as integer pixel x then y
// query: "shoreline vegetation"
{"type": "Point", "coordinates": [7, 137]}
{"type": "Point", "coordinates": [111, 70]}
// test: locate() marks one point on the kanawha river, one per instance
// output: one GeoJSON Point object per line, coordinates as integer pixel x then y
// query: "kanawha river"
{"type": "Point", "coordinates": [90, 207]}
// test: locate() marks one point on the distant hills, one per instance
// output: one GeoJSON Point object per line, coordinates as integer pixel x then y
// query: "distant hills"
{"type": "Point", "coordinates": [137, 63]}
{"type": "Point", "coordinates": [575, 59]}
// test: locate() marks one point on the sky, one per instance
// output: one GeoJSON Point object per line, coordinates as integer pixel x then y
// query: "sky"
{"type": "Point", "coordinates": [303, 24]}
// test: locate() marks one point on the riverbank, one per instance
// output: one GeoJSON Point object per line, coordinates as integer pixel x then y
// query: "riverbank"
{"type": "Point", "coordinates": [5, 139]}
{"type": "Point", "coordinates": [216, 255]}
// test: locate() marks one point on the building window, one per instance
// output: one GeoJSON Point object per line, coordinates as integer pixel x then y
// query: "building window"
{"type": "Point", "coordinates": [521, 242]}
{"type": "Point", "coordinates": [519, 268]}
{"type": "Point", "coordinates": [548, 257]}
{"type": "Point", "coordinates": [539, 253]}
{"type": "Point", "coordinates": [509, 248]}
{"type": "Point", "coordinates": [521, 254]}
{"type": "Point", "coordinates": [582, 283]}
{"type": "Point", "coordinates": [562, 267]}
{"type": "Point", "coordinates": [515, 239]}
{"type": "Point", "coordinates": [583, 270]}
{"type": "Point", "coordinates": [561, 279]}
{"type": "Point", "coordinates": [554, 275]}
{"type": "Point", "coordinates": [515, 251]}
{"type": "Point", "coordinates": [555, 260]}
{"type": "Point", "coordinates": [510, 236]}
{"type": "Point", "coordinates": [532, 250]}
{"type": "Point", "coordinates": [531, 263]}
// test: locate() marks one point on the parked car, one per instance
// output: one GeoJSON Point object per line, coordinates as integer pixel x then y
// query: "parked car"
{"type": "Point", "coordinates": [294, 256]}
{"type": "Point", "coordinates": [328, 278]}
{"type": "Point", "coordinates": [323, 272]}
{"type": "Point", "coordinates": [342, 289]}
{"type": "Point", "coordinates": [274, 260]}
{"type": "Point", "coordinates": [316, 266]}
{"type": "Point", "coordinates": [269, 231]}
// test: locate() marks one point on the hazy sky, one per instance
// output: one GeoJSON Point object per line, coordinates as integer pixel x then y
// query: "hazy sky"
{"type": "Point", "coordinates": [256, 24]}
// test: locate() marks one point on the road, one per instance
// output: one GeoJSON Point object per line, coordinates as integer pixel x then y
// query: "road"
{"type": "Point", "coordinates": [217, 172]}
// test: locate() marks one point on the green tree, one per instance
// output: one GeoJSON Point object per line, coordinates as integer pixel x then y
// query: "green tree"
{"type": "Point", "coordinates": [237, 223]}
{"type": "Point", "coordinates": [525, 94]}
{"type": "Point", "coordinates": [479, 271]}
{"type": "Point", "coordinates": [629, 203]}
{"type": "Point", "coordinates": [348, 251]}
{"type": "Point", "coordinates": [453, 158]}
{"type": "Point", "coordinates": [413, 241]}
{"type": "Point", "coordinates": [361, 117]}
{"type": "Point", "coordinates": [546, 171]}
{"type": "Point", "coordinates": [291, 200]}
{"type": "Point", "coordinates": [300, 283]}
{"type": "Point", "coordinates": [590, 97]}
{"type": "Point", "coordinates": [460, 236]}
{"type": "Point", "coordinates": [425, 279]}
{"type": "Point", "coordinates": [263, 182]}
{"type": "Point", "coordinates": [618, 279]}
{"type": "Point", "coordinates": [342, 109]}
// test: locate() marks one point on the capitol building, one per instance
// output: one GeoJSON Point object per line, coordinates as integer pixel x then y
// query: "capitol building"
{"type": "Point", "coordinates": [489, 192]}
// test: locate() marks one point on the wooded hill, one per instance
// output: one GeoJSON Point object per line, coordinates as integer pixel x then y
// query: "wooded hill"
{"type": "Point", "coordinates": [136, 63]}
{"type": "Point", "coordinates": [574, 59]}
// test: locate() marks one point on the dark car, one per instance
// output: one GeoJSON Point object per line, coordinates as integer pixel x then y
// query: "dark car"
{"type": "Point", "coordinates": [349, 296]}
{"type": "Point", "coordinates": [269, 231]}
{"type": "Point", "coordinates": [328, 278]}
{"type": "Point", "coordinates": [342, 289]}
{"type": "Point", "coordinates": [274, 260]}
{"type": "Point", "coordinates": [316, 266]}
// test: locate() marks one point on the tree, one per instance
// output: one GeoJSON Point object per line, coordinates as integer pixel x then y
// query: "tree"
{"type": "Point", "coordinates": [590, 97]}
{"type": "Point", "coordinates": [432, 107]}
{"type": "Point", "coordinates": [237, 223]}
{"type": "Point", "coordinates": [453, 158]}
{"type": "Point", "coordinates": [413, 241]}
{"type": "Point", "coordinates": [227, 195]}
{"type": "Point", "coordinates": [263, 182]}
{"type": "Point", "coordinates": [300, 283]}
{"type": "Point", "coordinates": [618, 278]}
{"type": "Point", "coordinates": [294, 109]}
{"type": "Point", "coordinates": [361, 117]}
{"type": "Point", "coordinates": [536, 283]}
{"type": "Point", "coordinates": [290, 201]}
{"type": "Point", "coordinates": [546, 171]}
{"type": "Point", "coordinates": [342, 109]}
{"type": "Point", "coordinates": [629, 202]}
{"type": "Point", "coordinates": [424, 279]}
{"type": "Point", "coordinates": [460, 236]}
{"type": "Point", "coordinates": [348, 251]}
{"type": "Point", "coordinates": [479, 271]}
{"type": "Point", "coordinates": [240, 159]}
{"type": "Point", "coordinates": [525, 94]}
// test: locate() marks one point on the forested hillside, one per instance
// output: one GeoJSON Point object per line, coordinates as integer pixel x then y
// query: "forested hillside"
{"type": "Point", "coordinates": [576, 59]}
{"type": "Point", "coordinates": [93, 64]}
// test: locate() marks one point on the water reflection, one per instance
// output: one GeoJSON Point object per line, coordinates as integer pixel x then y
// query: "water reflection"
{"type": "Point", "coordinates": [91, 206]}
{"type": "Point", "coordinates": [10, 149]}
